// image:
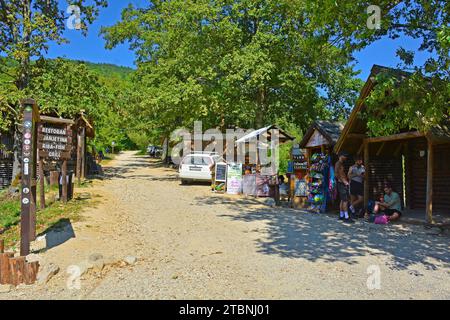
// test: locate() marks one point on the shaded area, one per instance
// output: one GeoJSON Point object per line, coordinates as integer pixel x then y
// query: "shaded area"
{"type": "Point", "coordinates": [57, 234]}
{"type": "Point", "coordinates": [135, 162]}
{"type": "Point", "coordinates": [317, 237]}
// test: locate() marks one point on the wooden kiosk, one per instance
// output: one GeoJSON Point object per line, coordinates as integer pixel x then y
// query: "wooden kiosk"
{"type": "Point", "coordinates": [415, 163]}
{"type": "Point", "coordinates": [318, 143]}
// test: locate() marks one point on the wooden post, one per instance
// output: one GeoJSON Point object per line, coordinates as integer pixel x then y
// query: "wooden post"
{"type": "Point", "coordinates": [54, 178]}
{"type": "Point", "coordinates": [31, 271]}
{"type": "Point", "coordinates": [5, 273]}
{"type": "Point", "coordinates": [407, 177]}
{"type": "Point", "coordinates": [28, 185]}
{"type": "Point", "coordinates": [17, 269]}
{"type": "Point", "coordinates": [367, 174]}
{"type": "Point", "coordinates": [41, 183]}
{"type": "Point", "coordinates": [33, 206]}
{"type": "Point", "coordinates": [79, 156]}
{"type": "Point", "coordinates": [2, 246]}
{"type": "Point", "coordinates": [429, 204]}
{"type": "Point", "coordinates": [64, 181]}
{"type": "Point", "coordinates": [83, 153]}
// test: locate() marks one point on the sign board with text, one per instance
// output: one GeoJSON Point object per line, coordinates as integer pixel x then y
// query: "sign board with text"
{"type": "Point", "coordinates": [54, 141]}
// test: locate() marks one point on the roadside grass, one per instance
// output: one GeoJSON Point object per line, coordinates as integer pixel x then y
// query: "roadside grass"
{"type": "Point", "coordinates": [46, 219]}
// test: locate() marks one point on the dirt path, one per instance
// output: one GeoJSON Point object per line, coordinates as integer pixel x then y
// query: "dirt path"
{"type": "Point", "coordinates": [192, 244]}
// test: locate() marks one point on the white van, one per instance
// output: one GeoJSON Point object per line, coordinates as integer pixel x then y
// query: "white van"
{"type": "Point", "coordinates": [196, 166]}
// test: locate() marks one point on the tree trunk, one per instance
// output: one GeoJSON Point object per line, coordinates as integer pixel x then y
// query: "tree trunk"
{"type": "Point", "coordinates": [22, 83]}
{"type": "Point", "coordinates": [16, 159]}
{"type": "Point", "coordinates": [260, 108]}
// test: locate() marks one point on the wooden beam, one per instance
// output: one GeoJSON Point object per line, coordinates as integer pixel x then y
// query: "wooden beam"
{"type": "Point", "coordinates": [429, 204]}
{"type": "Point", "coordinates": [41, 183]}
{"type": "Point", "coordinates": [56, 120]}
{"type": "Point", "coordinates": [381, 148]}
{"type": "Point", "coordinates": [83, 154]}
{"type": "Point", "coordinates": [357, 135]}
{"type": "Point", "coordinates": [399, 148]}
{"type": "Point", "coordinates": [399, 136]}
{"type": "Point", "coordinates": [64, 181]}
{"type": "Point", "coordinates": [407, 176]}
{"type": "Point", "coordinates": [79, 155]}
{"type": "Point", "coordinates": [361, 149]}
{"type": "Point", "coordinates": [367, 175]}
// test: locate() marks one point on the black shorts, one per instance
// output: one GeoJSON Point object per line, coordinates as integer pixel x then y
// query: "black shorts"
{"type": "Point", "coordinates": [390, 212]}
{"type": "Point", "coordinates": [356, 188]}
{"type": "Point", "coordinates": [343, 191]}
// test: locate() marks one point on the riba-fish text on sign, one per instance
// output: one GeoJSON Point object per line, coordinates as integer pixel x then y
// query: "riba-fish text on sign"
{"type": "Point", "coordinates": [55, 142]}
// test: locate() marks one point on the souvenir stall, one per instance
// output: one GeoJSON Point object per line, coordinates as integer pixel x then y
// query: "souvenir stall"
{"type": "Point", "coordinates": [318, 143]}
{"type": "Point", "coordinates": [259, 180]}
{"type": "Point", "coordinates": [297, 169]}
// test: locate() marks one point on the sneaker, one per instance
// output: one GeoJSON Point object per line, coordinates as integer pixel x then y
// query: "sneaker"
{"type": "Point", "coordinates": [349, 220]}
{"type": "Point", "coordinates": [341, 217]}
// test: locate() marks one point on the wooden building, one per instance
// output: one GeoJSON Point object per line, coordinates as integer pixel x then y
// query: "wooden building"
{"type": "Point", "coordinates": [415, 163]}
{"type": "Point", "coordinates": [6, 159]}
{"type": "Point", "coordinates": [318, 143]}
{"type": "Point", "coordinates": [321, 136]}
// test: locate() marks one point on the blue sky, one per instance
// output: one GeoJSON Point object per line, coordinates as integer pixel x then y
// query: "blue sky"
{"type": "Point", "coordinates": [92, 47]}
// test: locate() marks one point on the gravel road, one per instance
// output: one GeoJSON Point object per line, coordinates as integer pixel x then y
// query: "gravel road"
{"type": "Point", "coordinates": [192, 244]}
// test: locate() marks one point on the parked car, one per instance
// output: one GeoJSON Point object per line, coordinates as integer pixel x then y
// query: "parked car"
{"type": "Point", "coordinates": [196, 166]}
{"type": "Point", "coordinates": [154, 151]}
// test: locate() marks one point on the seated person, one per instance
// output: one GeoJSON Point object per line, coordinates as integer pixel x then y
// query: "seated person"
{"type": "Point", "coordinates": [390, 204]}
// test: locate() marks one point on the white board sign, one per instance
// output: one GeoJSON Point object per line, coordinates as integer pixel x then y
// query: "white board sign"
{"type": "Point", "coordinates": [234, 178]}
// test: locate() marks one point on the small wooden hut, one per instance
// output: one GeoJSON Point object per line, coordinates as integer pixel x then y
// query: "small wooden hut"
{"type": "Point", "coordinates": [415, 163]}
{"type": "Point", "coordinates": [6, 159]}
{"type": "Point", "coordinates": [318, 143]}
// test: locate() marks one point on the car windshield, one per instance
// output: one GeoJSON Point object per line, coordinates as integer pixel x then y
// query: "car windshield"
{"type": "Point", "coordinates": [200, 160]}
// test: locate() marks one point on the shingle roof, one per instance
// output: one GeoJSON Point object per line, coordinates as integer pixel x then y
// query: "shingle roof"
{"type": "Point", "coordinates": [330, 130]}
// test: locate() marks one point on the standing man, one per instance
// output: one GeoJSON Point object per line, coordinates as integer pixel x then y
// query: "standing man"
{"type": "Point", "coordinates": [342, 187]}
{"type": "Point", "coordinates": [356, 175]}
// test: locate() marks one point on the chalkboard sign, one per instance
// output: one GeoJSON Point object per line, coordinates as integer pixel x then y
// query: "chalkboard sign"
{"type": "Point", "coordinates": [221, 172]}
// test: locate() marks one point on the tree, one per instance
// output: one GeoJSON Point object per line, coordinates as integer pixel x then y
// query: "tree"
{"type": "Point", "coordinates": [26, 28]}
{"type": "Point", "coordinates": [422, 98]}
{"type": "Point", "coordinates": [235, 63]}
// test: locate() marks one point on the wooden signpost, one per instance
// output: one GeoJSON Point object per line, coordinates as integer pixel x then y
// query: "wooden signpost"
{"type": "Point", "coordinates": [16, 270]}
{"type": "Point", "coordinates": [54, 144]}
{"type": "Point", "coordinates": [28, 191]}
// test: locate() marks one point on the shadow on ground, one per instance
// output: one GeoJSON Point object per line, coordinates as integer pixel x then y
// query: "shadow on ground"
{"type": "Point", "coordinates": [137, 162]}
{"type": "Point", "coordinates": [315, 237]}
{"type": "Point", "coordinates": [57, 234]}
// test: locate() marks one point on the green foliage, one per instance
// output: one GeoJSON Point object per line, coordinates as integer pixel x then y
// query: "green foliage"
{"type": "Point", "coordinates": [26, 28]}
{"type": "Point", "coordinates": [9, 213]}
{"type": "Point", "coordinates": [234, 63]}
{"type": "Point", "coordinates": [413, 103]}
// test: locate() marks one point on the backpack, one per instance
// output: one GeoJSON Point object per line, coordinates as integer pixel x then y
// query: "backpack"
{"type": "Point", "coordinates": [381, 219]}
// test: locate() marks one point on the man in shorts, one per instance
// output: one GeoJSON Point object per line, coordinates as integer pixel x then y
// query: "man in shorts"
{"type": "Point", "coordinates": [356, 175]}
{"type": "Point", "coordinates": [392, 204]}
{"type": "Point", "coordinates": [342, 184]}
